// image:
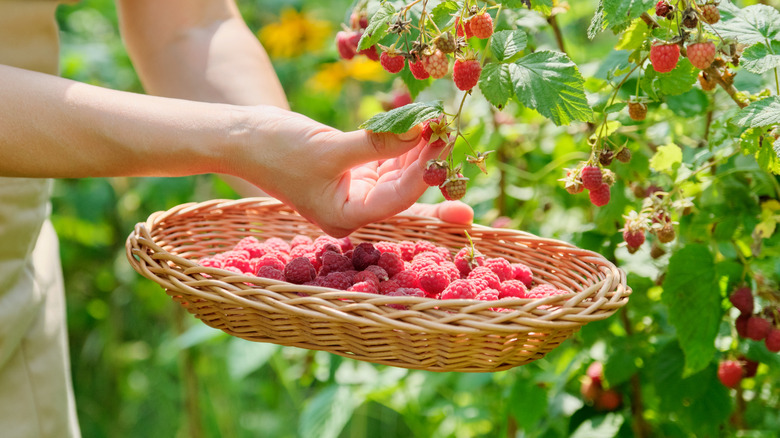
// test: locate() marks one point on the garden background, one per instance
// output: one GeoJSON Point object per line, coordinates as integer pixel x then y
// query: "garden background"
{"type": "Point", "coordinates": [143, 367]}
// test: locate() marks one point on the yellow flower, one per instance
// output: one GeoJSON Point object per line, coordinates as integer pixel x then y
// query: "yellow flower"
{"type": "Point", "coordinates": [294, 34]}
{"type": "Point", "coordinates": [331, 76]}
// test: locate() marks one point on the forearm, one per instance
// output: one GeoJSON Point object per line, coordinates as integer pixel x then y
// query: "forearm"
{"type": "Point", "coordinates": [53, 127]}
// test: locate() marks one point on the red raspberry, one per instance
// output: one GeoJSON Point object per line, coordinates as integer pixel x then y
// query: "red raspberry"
{"type": "Point", "coordinates": [392, 62]}
{"type": "Point", "coordinates": [466, 260]}
{"type": "Point", "coordinates": [436, 64]}
{"type": "Point", "coordinates": [454, 188]}
{"type": "Point", "coordinates": [609, 400]}
{"type": "Point", "coordinates": [405, 292]}
{"type": "Point", "coordinates": [730, 373]}
{"type": "Point", "coordinates": [388, 286]}
{"type": "Point", "coordinates": [544, 290]}
{"type": "Point", "coordinates": [758, 328]}
{"type": "Point", "coordinates": [465, 73]}
{"type": "Point", "coordinates": [772, 340]}
{"type": "Point", "coordinates": [371, 53]}
{"type": "Point", "coordinates": [451, 269]}
{"type": "Point", "coordinates": [702, 54]}
{"type": "Point", "coordinates": [749, 367]}
{"type": "Point", "coordinates": [634, 239]}
{"type": "Point", "coordinates": [211, 262]}
{"type": "Point", "coordinates": [358, 20]}
{"type": "Point", "coordinates": [591, 177]}
{"type": "Point", "coordinates": [663, 9]}
{"type": "Point", "coordinates": [391, 262]}
{"type": "Point", "coordinates": [435, 172]}
{"type": "Point", "coordinates": [236, 259]}
{"type": "Point", "coordinates": [384, 246]}
{"type": "Point", "coordinates": [600, 195]}
{"type": "Point", "coordinates": [347, 43]}
{"type": "Point", "coordinates": [742, 299]}
{"type": "Point", "coordinates": [523, 273]}
{"type": "Point", "coordinates": [481, 25]}
{"type": "Point", "coordinates": [346, 244]}
{"type": "Point", "coordinates": [596, 372]}
{"type": "Point", "coordinates": [299, 240]}
{"type": "Point", "coordinates": [463, 29]}
{"type": "Point", "coordinates": [277, 244]}
{"type": "Point", "coordinates": [364, 255]}
{"type": "Point", "coordinates": [709, 13]}
{"type": "Point", "coordinates": [334, 262]}
{"type": "Point", "coordinates": [380, 273]}
{"type": "Point", "coordinates": [741, 325]}
{"type": "Point", "coordinates": [407, 279]}
{"type": "Point", "coordinates": [364, 286]}
{"type": "Point", "coordinates": [435, 132]}
{"type": "Point", "coordinates": [268, 260]}
{"type": "Point", "coordinates": [299, 270]}
{"type": "Point", "coordinates": [366, 276]}
{"type": "Point", "coordinates": [485, 273]}
{"type": "Point", "coordinates": [513, 289]}
{"type": "Point", "coordinates": [501, 267]}
{"type": "Point", "coordinates": [487, 295]}
{"type": "Point", "coordinates": [418, 70]}
{"type": "Point", "coordinates": [270, 272]}
{"type": "Point", "coordinates": [335, 280]}
{"type": "Point", "coordinates": [434, 280]}
{"type": "Point", "coordinates": [459, 290]}
{"type": "Point", "coordinates": [664, 57]}
{"type": "Point", "coordinates": [637, 111]}
{"type": "Point", "coordinates": [423, 246]}
{"type": "Point", "coordinates": [251, 245]}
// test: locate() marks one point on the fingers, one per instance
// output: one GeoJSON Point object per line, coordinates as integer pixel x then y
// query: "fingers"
{"type": "Point", "coordinates": [358, 147]}
{"type": "Point", "coordinates": [454, 212]}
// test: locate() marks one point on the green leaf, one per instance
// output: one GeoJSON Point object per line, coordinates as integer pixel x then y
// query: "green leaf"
{"type": "Point", "coordinates": [689, 104]}
{"type": "Point", "coordinates": [528, 402]}
{"type": "Point", "coordinates": [495, 82]}
{"type": "Point", "coordinates": [377, 26]}
{"type": "Point", "coordinates": [402, 119]}
{"type": "Point", "coordinates": [444, 12]}
{"type": "Point", "coordinates": [617, 14]}
{"type": "Point", "coordinates": [246, 357]}
{"type": "Point", "coordinates": [693, 300]}
{"type": "Point", "coordinates": [666, 157]}
{"type": "Point", "coordinates": [633, 37]}
{"type": "Point", "coordinates": [600, 426]}
{"type": "Point", "coordinates": [677, 81]}
{"type": "Point", "coordinates": [759, 58]}
{"type": "Point", "coordinates": [507, 43]}
{"type": "Point", "coordinates": [751, 25]}
{"type": "Point", "coordinates": [414, 85]}
{"type": "Point", "coordinates": [328, 412]}
{"type": "Point", "coordinates": [597, 23]}
{"type": "Point", "coordinates": [550, 83]}
{"type": "Point", "coordinates": [764, 112]}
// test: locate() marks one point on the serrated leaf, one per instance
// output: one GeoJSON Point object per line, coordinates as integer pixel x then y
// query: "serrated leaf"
{"type": "Point", "coordinates": [597, 23]}
{"type": "Point", "coordinates": [759, 58]}
{"type": "Point", "coordinates": [633, 37]}
{"type": "Point", "coordinates": [616, 14]}
{"type": "Point", "coordinates": [677, 81]}
{"type": "Point", "coordinates": [377, 26]}
{"type": "Point", "coordinates": [550, 83]}
{"type": "Point", "coordinates": [776, 147]}
{"type": "Point", "coordinates": [495, 83]}
{"type": "Point", "coordinates": [666, 157]}
{"type": "Point", "coordinates": [507, 43]}
{"type": "Point", "coordinates": [751, 25]}
{"type": "Point", "coordinates": [402, 119]}
{"type": "Point", "coordinates": [444, 12]}
{"type": "Point", "coordinates": [692, 297]}
{"type": "Point", "coordinates": [764, 112]}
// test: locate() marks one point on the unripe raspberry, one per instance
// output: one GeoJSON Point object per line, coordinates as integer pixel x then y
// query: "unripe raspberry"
{"type": "Point", "coordinates": [436, 64]}
{"type": "Point", "coordinates": [637, 111]}
{"type": "Point", "coordinates": [446, 42]}
{"type": "Point", "coordinates": [702, 54]}
{"type": "Point", "coordinates": [710, 13]}
{"type": "Point", "coordinates": [624, 155]}
{"type": "Point", "coordinates": [454, 188]}
{"type": "Point", "coordinates": [664, 57]}
{"type": "Point", "coordinates": [482, 25]}
{"type": "Point", "coordinates": [666, 234]}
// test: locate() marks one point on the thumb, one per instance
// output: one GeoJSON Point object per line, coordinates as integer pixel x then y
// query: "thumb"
{"type": "Point", "coordinates": [363, 146]}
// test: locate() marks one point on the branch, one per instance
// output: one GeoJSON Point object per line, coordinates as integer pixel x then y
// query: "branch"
{"type": "Point", "coordinates": [713, 73]}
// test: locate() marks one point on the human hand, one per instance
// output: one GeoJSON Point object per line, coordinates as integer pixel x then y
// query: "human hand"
{"type": "Point", "coordinates": [454, 212]}
{"type": "Point", "coordinates": [338, 180]}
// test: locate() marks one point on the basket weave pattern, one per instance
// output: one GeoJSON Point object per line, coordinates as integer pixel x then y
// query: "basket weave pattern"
{"type": "Point", "coordinates": [436, 335]}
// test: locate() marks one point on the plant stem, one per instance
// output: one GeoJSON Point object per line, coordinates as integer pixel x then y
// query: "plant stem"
{"type": "Point", "coordinates": [552, 20]}
{"type": "Point", "coordinates": [729, 88]}
{"type": "Point", "coordinates": [639, 425]}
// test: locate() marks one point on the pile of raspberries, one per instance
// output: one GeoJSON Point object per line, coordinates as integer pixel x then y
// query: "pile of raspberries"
{"type": "Point", "coordinates": [407, 268]}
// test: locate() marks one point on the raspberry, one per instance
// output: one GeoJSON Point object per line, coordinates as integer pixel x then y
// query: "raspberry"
{"type": "Point", "coordinates": [388, 286]}
{"type": "Point", "coordinates": [544, 290]}
{"type": "Point", "coordinates": [609, 400]}
{"type": "Point", "coordinates": [637, 111]}
{"type": "Point", "coordinates": [689, 18]}
{"type": "Point", "coordinates": [391, 263]}
{"type": "Point", "coordinates": [380, 273]}
{"type": "Point", "coordinates": [334, 262]}
{"type": "Point", "coordinates": [435, 173]}
{"type": "Point", "coordinates": [364, 286]}
{"type": "Point", "coordinates": [451, 269]}
{"type": "Point", "coordinates": [600, 195]}
{"type": "Point", "coordinates": [392, 62]}
{"type": "Point", "coordinates": [463, 29]}
{"type": "Point", "coordinates": [270, 272]}
{"type": "Point", "coordinates": [624, 155]}
{"type": "Point", "coordinates": [364, 255]}
{"type": "Point", "coordinates": [335, 280]}
{"type": "Point", "coordinates": [236, 259]}
{"type": "Point", "coordinates": [436, 64]}
{"type": "Point", "coordinates": [407, 279]}
{"type": "Point", "coordinates": [418, 70]}
{"type": "Point", "coordinates": [434, 280]}
{"type": "Point", "coordinates": [606, 155]}
{"type": "Point", "coordinates": [423, 246]}
{"type": "Point", "coordinates": [730, 373]}
{"type": "Point", "coordinates": [487, 295]}
{"type": "Point", "coordinates": [371, 53]}
{"type": "Point", "coordinates": [446, 42]}
{"type": "Point", "coordinates": [749, 367]}
{"type": "Point", "coordinates": [664, 57]}
{"type": "Point", "coordinates": [268, 260]}
{"type": "Point", "coordinates": [277, 244]}
{"type": "Point", "coordinates": [466, 73]}
{"type": "Point", "coordinates": [346, 244]}
{"type": "Point", "coordinates": [663, 8]}
{"type": "Point", "coordinates": [481, 25]}
{"type": "Point", "coordinates": [405, 292]}
{"type": "Point", "coordinates": [742, 299]}
{"type": "Point", "coordinates": [436, 132]}
{"type": "Point", "coordinates": [467, 259]}
{"type": "Point", "coordinates": [485, 273]}
{"type": "Point", "coordinates": [502, 268]}
{"type": "Point", "coordinates": [772, 340]}
{"type": "Point", "coordinates": [596, 372]}
{"type": "Point", "coordinates": [366, 276]}
{"type": "Point", "coordinates": [454, 188]}
{"type": "Point", "coordinates": [211, 262]}
{"type": "Point", "coordinates": [702, 54]}
{"type": "Point", "coordinates": [459, 290]}
{"type": "Point", "coordinates": [384, 246]}
{"type": "Point", "coordinates": [299, 240]}
{"type": "Point", "coordinates": [741, 325]}
{"type": "Point", "coordinates": [346, 43]}
{"type": "Point", "coordinates": [709, 13]}
{"type": "Point", "coordinates": [513, 289]}
{"type": "Point", "coordinates": [706, 82]}
{"type": "Point", "coordinates": [591, 177]}
{"type": "Point", "coordinates": [299, 270]}
{"type": "Point", "coordinates": [523, 273]}
{"type": "Point", "coordinates": [634, 239]}
{"type": "Point", "coordinates": [758, 328]}
{"type": "Point", "coordinates": [251, 245]}
{"type": "Point", "coordinates": [398, 99]}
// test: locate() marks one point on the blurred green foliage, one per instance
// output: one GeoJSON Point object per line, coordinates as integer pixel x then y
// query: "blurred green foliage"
{"type": "Point", "coordinates": [143, 367]}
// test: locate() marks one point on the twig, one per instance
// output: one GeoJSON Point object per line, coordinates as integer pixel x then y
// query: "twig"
{"type": "Point", "coordinates": [553, 21]}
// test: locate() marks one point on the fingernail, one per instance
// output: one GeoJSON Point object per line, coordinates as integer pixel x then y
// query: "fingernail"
{"type": "Point", "coordinates": [411, 134]}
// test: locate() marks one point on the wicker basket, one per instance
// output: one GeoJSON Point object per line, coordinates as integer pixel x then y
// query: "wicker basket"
{"type": "Point", "coordinates": [435, 335]}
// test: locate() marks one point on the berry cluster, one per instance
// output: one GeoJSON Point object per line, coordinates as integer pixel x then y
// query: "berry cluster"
{"type": "Point", "coordinates": [406, 268]}
{"type": "Point", "coordinates": [592, 177]}
{"type": "Point", "coordinates": [655, 218]}
{"type": "Point", "coordinates": [761, 326]}
{"type": "Point", "coordinates": [593, 390]}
